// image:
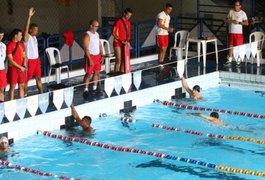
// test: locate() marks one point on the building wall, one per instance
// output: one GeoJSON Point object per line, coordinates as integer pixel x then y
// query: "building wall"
{"type": "Point", "coordinates": [148, 9]}
{"type": "Point", "coordinates": [51, 16]}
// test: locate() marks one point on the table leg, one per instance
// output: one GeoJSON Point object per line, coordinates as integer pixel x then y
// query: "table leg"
{"type": "Point", "coordinates": [187, 50]}
{"type": "Point", "coordinates": [204, 50]}
{"type": "Point", "coordinates": [216, 51]}
{"type": "Point", "coordinates": [199, 51]}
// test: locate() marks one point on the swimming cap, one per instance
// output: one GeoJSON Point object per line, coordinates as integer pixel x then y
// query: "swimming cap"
{"type": "Point", "coordinates": [197, 88]}
{"type": "Point", "coordinates": [3, 139]}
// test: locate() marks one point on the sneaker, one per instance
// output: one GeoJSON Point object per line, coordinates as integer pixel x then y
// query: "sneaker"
{"type": "Point", "coordinates": [161, 67]}
{"type": "Point", "coordinates": [85, 94]}
{"type": "Point", "coordinates": [93, 93]}
{"type": "Point", "coordinates": [228, 62]}
{"type": "Point", "coordinates": [99, 92]}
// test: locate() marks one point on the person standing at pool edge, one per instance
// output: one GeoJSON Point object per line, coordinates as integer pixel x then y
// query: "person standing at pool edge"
{"type": "Point", "coordinates": [3, 81]}
{"type": "Point", "coordinates": [236, 19]}
{"type": "Point", "coordinates": [16, 56]}
{"type": "Point", "coordinates": [32, 53]}
{"type": "Point", "coordinates": [195, 92]}
{"type": "Point", "coordinates": [122, 35]}
{"type": "Point", "coordinates": [162, 30]}
{"type": "Point", "coordinates": [93, 57]}
{"type": "Point", "coordinates": [85, 122]}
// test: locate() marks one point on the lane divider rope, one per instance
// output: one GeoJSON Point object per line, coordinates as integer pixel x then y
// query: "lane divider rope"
{"type": "Point", "coordinates": [210, 135]}
{"type": "Point", "coordinates": [189, 107]}
{"type": "Point", "coordinates": [157, 154]}
{"type": "Point", "coordinates": [127, 119]}
{"type": "Point", "coordinates": [37, 172]}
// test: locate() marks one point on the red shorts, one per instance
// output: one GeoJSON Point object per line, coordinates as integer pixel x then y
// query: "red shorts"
{"type": "Point", "coordinates": [97, 65]}
{"type": "Point", "coordinates": [15, 76]}
{"type": "Point", "coordinates": [162, 40]}
{"type": "Point", "coordinates": [34, 69]}
{"type": "Point", "coordinates": [3, 81]}
{"type": "Point", "coordinates": [235, 39]}
{"type": "Point", "coordinates": [117, 44]}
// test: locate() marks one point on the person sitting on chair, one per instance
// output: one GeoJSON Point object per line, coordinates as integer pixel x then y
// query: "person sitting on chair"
{"type": "Point", "coordinates": [195, 92]}
{"type": "Point", "coordinates": [85, 122]}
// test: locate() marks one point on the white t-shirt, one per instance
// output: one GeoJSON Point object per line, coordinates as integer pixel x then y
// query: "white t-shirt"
{"type": "Point", "coordinates": [2, 55]}
{"type": "Point", "coordinates": [93, 43]}
{"type": "Point", "coordinates": [165, 21]}
{"type": "Point", "coordinates": [239, 16]}
{"type": "Point", "coordinates": [32, 48]}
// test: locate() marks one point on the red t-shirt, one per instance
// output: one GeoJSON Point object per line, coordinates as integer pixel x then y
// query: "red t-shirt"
{"type": "Point", "coordinates": [119, 30]}
{"type": "Point", "coordinates": [18, 56]}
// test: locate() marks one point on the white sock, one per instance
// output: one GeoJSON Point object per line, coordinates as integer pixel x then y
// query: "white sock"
{"type": "Point", "coordinates": [94, 88]}
{"type": "Point", "coordinates": [86, 89]}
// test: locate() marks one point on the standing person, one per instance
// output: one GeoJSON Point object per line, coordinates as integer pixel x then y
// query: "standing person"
{"type": "Point", "coordinates": [122, 35]}
{"type": "Point", "coordinates": [3, 81]}
{"type": "Point", "coordinates": [236, 19]}
{"type": "Point", "coordinates": [32, 53]}
{"type": "Point", "coordinates": [16, 64]}
{"type": "Point", "coordinates": [162, 31]}
{"type": "Point", "coordinates": [93, 56]}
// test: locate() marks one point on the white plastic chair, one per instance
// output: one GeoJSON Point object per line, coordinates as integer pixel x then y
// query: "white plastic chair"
{"type": "Point", "coordinates": [260, 37]}
{"type": "Point", "coordinates": [181, 38]}
{"type": "Point", "coordinates": [108, 56]}
{"type": "Point", "coordinates": [55, 61]}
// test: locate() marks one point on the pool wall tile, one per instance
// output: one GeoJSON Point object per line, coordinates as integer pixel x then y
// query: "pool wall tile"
{"type": "Point", "coordinates": [55, 119]}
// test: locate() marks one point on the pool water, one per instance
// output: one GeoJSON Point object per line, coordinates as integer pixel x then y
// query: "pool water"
{"type": "Point", "coordinates": [88, 162]}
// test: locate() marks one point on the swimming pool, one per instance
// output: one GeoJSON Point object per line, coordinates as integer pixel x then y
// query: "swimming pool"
{"type": "Point", "coordinates": [83, 161]}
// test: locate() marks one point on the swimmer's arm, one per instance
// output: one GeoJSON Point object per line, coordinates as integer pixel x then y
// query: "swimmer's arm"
{"type": "Point", "coordinates": [186, 86]}
{"type": "Point", "coordinates": [205, 117]}
{"type": "Point", "coordinates": [75, 115]}
{"type": "Point", "coordinates": [200, 115]}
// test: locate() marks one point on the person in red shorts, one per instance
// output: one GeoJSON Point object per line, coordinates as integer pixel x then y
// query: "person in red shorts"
{"type": "Point", "coordinates": [32, 52]}
{"type": "Point", "coordinates": [236, 19]}
{"type": "Point", "coordinates": [122, 35]}
{"type": "Point", "coordinates": [93, 57]}
{"type": "Point", "coordinates": [16, 64]}
{"type": "Point", "coordinates": [162, 30]}
{"type": "Point", "coordinates": [3, 81]}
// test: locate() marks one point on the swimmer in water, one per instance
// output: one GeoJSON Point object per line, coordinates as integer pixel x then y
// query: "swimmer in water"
{"type": "Point", "coordinates": [214, 118]}
{"type": "Point", "coordinates": [194, 92]}
{"type": "Point", "coordinates": [85, 122]}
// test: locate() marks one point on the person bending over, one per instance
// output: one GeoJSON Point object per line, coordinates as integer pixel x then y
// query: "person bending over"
{"type": "Point", "coordinates": [85, 122]}
{"type": "Point", "coordinates": [194, 92]}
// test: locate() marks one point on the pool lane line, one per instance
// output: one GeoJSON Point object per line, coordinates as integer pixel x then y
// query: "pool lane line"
{"type": "Point", "coordinates": [210, 135]}
{"type": "Point", "coordinates": [189, 107]}
{"type": "Point", "coordinates": [37, 172]}
{"type": "Point", "coordinates": [157, 154]}
{"type": "Point", "coordinates": [127, 119]}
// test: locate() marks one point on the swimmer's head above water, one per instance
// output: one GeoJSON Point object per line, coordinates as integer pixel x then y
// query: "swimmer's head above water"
{"type": "Point", "coordinates": [215, 115]}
